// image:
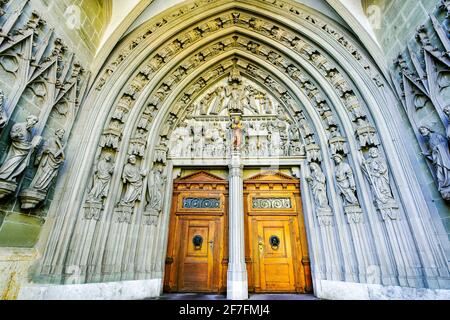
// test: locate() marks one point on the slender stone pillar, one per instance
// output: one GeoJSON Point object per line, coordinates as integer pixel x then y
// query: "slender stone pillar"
{"type": "Point", "coordinates": [237, 283]}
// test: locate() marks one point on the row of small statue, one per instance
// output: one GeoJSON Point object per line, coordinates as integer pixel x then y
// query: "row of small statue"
{"type": "Point", "coordinates": [19, 156]}
{"type": "Point", "coordinates": [376, 171]}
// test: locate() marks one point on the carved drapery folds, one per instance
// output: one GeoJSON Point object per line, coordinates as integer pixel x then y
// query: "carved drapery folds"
{"type": "Point", "coordinates": [48, 162]}
{"type": "Point", "coordinates": [422, 80]}
{"type": "Point", "coordinates": [19, 155]}
{"type": "Point", "coordinates": [99, 190]}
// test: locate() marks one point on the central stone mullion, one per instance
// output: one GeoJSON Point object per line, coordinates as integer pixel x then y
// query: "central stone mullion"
{"type": "Point", "coordinates": [237, 280]}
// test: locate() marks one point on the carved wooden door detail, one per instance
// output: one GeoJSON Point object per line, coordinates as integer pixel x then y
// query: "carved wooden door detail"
{"type": "Point", "coordinates": [276, 246]}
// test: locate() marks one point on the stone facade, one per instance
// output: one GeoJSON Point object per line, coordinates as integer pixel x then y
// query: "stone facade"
{"type": "Point", "coordinates": [210, 84]}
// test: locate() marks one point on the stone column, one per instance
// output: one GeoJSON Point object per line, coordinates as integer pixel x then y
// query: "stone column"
{"type": "Point", "coordinates": [237, 283]}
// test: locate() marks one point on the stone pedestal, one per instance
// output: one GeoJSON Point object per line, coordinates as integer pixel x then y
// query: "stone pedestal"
{"type": "Point", "coordinates": [30, 198]}
{"type": "Point", "coordinates": [7, 188]}
{"type": "Point", "coordinates": [237, 281]}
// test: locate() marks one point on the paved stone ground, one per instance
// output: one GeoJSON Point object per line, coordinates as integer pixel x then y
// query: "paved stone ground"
{"type": "Point", "coordinates": [254, 297]}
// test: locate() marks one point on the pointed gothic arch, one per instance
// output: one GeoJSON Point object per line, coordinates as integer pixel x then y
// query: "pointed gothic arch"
{"type": "Point", "coordinates": [139, 88]}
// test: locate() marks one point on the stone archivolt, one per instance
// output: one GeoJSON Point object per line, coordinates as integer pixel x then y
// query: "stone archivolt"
{"type": "Point", "coordinates": [179, 86]}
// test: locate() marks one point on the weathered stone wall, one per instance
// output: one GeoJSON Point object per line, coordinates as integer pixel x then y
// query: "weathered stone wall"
{"type": "Point", "coordinates": [395, 21]}
{"type": "Point", "coordinates": [80, 22]}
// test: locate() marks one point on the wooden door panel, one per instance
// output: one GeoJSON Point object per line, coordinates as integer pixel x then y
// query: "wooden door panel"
{"type": "Point", "coordinates": [197, 264]}
{"type": "Point", "coordinates": [275, 263]}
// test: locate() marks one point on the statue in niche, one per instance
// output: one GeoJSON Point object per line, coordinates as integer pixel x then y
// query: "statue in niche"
{"type": "Point", "coordinates": [155, 189]}
{"type": "Point", "coordinates": [49, 161]}
{"type": "Point", "coordinates": [197, 140]}
{"type": "Point", "coordinates": [22, 147]}
{"type": "Point", "coordinates": [133, 180]}
{"type": "Point", "coordinates": [438, 153]}
{"type": "Point", "coordinates": [376, 170]}
{"type": "Point", "coordinates": [3, 117]}
{"type": "Point", "coordinates": [102, 179]}
{"type": "Point", "coordinates": [237, 129]}
{"type": "Point", "coordinates": [345, 181]}
{"type": "Point", "coordinates": [318, 185]}
{"type": "Point", "coordinates": [237, 97]}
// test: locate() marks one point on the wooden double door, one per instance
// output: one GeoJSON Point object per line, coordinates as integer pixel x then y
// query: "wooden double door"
{"type": "Point", "coordinates": [276, 249]}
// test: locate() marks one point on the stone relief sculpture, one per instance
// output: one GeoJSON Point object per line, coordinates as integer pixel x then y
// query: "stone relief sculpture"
{"type": "Point", "coordinates": [317, 181]}
{"type": "Point", "coordinates": [19, 155]}
{"type": "Point", "coordinates": [132, 179]}
{"type": "Point", "coordinates": [377, 173]}
{"type": "Point", "coordinates": [347, 188]}
{"type": "Point", "coordinates": [438, 154]}
{"type": "Point", "coordinates": [49, 162]}
{"type": "Point", "coordinates": [3, 116]}
{"type": "Point", "coordinates": [155, 195]}
{"type": "Point", "coordinates": [100, 187]}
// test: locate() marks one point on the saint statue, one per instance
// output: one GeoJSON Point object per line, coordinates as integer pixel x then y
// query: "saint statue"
{"type": "Point", "coordinates": [49, 161]}
{"type": "Point", "coordinates": [237, 131]}
{"type": "Point", "coordinates": [3, 117]}
{"type": "Point", "coordinates": [21, 149]}
{"type": "Point", "coordinates": [377, 172]}
{"type": "Point", "coordinates": [345, 181]}
{"type": "Point", "coordinates": [133, 180]}
{"type": "Point", "coordinates": [438, 153]}
{"type": "Point", "coordinates": [156, 184]}
{"type": "Point", "coordinates": [102, 179]}
{"type": "Point", "coordinates": [318, 186]}
{"type": "Point", "coordinates": [237, 98]}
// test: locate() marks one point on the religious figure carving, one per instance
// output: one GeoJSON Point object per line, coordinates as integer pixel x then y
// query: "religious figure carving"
{"type": "Point", "coordinates": [49, 162]}
{"type": "Point", "coordinates": [22, 147]}
{"type": "Point", "coordinates": [155, 185]}
{"type": "Point", "coordinates": [132, 178]}
{"type": "Point", "coordinates": [345, 181]}
{"type": "Point", "coordinates": [3, 117]}
{"type": "Point", "coordinates": [438, 154]}
{"type": "Point", "coordinates": [102, 179]}
{"type": "Point", "coordinates": [237, 133]}
{"type": "Point", "coordinates": [347, 188]}
{"type": "Point", "coordinates": [318, 185]}
{"type": "Point", "coordinates": [377, 173]}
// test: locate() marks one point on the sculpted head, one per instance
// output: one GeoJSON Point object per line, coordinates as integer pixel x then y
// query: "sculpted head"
{"type": "Point", "coordinates": [315, 168]}
{"type": "Point", "coordinates": [338, 159]}
{"type": "Point", "coordinates": [374, 152]}
{"type": "Point", "coordinates": [132, 159]}
{"type": "Point", "coordinates": [60, 133]}
{"type": "Point", "coordinates": [107, 157]}
{"type": "Point", "coordinates": [425, 131]}
{"type": "Point", "coordinates": [31, 121]}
